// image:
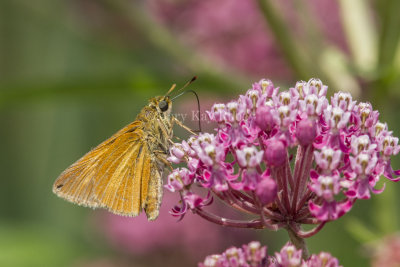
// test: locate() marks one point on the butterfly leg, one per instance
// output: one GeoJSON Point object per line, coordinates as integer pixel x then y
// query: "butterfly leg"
{"type": "Point", "coordinates": [166, 133]}
{"type": "Point", "coordinates": [175, 120]}
{"type": "Point", "coordinates": [160, 155]}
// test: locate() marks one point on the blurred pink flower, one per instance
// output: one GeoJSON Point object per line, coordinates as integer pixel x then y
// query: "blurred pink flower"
{"type": "Point", "coordinates": [104, 262]}
{"type": "Point", "coordinates": [139, 236]}
{"type": "Point", "coordinates": [234, 33]}
{"type": "Point", "coordinates": [387, 253]}
{"type": "Point", "coordinates": [192, 237]}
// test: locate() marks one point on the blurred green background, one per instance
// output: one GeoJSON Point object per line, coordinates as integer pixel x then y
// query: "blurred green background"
{"type": "Point", "coordinates": [74, 72]}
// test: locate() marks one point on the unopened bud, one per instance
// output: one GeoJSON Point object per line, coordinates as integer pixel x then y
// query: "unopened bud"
{"type": "Point", "coordinates": [306, 132]}
{"type": "Point", "coordinates": [267, 190]}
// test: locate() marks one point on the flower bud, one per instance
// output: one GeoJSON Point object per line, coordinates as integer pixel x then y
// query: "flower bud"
{"type": "Point", "coordinates": [177, 154]}
{"type": "Point", "coordinates": [306, 132]}
{"type": "Point", "coordinates": [276, 153]}
{"type": "Point", "coordinates": [267, 190]}
{"type": "Point", "coordinates": [264, 118]}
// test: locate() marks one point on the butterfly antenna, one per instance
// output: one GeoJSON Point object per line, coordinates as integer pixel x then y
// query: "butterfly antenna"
{"type": "Point", "coordinates": [197, 98]}
{"type": "Point", "coordinates": [183, 87]}
{"type": "Point", "coordinates": [171, 89]}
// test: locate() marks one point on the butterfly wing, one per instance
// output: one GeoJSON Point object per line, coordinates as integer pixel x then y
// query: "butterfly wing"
{"type": "Point", "coordinates": [154, 196]}
{"type": "Point", "coordinates": [114, 175]}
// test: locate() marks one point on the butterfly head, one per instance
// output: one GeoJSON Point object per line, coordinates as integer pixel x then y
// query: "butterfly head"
{"type": "Point", "coordinates": [163, 104]}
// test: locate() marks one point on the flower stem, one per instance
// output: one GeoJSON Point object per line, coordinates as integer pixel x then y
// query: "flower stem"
{"type": "Point", "coordinates": [304, 159]}
{"type": "Point", "coordinates": [279, 174]}
{"type": "Point", "coordinates": [139, 17]}
{"type": "Point", "coordinates": [231, 200]}
{"type": "Point", "coordinates": [287, 43]}
{"type": "Point", "coordinates": [298, 242]}
{"type": "Point", "coordinates": [311, 232]}
{"type": "Point", "coordinates": [256, 224]}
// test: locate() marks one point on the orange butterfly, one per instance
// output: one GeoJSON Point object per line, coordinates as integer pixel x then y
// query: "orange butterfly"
{"type": "Point", "coordinates": [124, 173]}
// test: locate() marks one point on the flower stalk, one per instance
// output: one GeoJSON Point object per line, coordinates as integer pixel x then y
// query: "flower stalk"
{"type": "Point", "coordinates": [298, 242]}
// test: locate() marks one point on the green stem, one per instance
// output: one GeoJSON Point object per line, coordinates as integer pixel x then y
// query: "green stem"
{"type": "Point", "coordinates": [287, 43]}
{"type": "Point", "coordinates": [390, 32]}
{"type": "Point", "coordinates": [161, 37]}
{"type": "Point", "coordinates": [298, 242]}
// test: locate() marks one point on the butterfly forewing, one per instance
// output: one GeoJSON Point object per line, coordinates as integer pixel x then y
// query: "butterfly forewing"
{"type": "Point", "coordinates": [122, 174]}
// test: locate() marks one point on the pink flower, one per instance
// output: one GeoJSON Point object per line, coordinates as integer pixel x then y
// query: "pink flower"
{"type": "Point", "coordinates": [328, 159]}
{"type": "Point", "coordinates": [323, 259]}
{"type": "Point", "coordinates": [249, 255]}
{"type": "Point", "coordinates": [388, 145]}
{"type": "Point", "coordinates": [255, 255]}
{"type": "Point", "coordinates": [177, 153]}
{"type": "Point", "coordinates": [367, 116]}
{"type": "Point", "coordinates": [312, 101]}
{"type": "Point", "coordinates": [249, 157]}
{"type": "Point", "coordinates": [178, 179]}
{"type": "Point", "coordinates": [137, 236]}
{"type": "Point", "coordinates": [239, 25]}
{"type": "Point", "coordinates": [217, 113]}
{"type": "Point", "coordinates": [326, 187]}
{"type": "Point", "coordinates": [344, 101]}
{"type": "Point", "coordinates": [289, 256]}
{"type": "Point", "coordinates": [386, 253]}
{"type": "Point", "coordinates": [361, 143]}
{"type": "Point", "coordinates": [247, 162]}
{"type": "Point", "coordinates": [211, 28]}
{"type": "Point", "coordinates": [329, 210]}
{"type": "Point", "coordinates": [337, 118]}
{"type": "Point", "coordinates": [364, 163]}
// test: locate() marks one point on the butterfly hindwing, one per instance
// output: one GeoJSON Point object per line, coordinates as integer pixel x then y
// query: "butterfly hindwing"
{"type": "Point", "coordinates": [153, 201]}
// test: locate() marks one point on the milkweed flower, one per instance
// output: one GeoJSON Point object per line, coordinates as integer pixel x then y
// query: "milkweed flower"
{"type": "Point", "coordinates": [386, 252]}
{"type": "Point", "coordinates": [289, 157]}
{"type": "Point", "coordinates": [255, 255]}
{"type": "Point", "coordinates": [252, 254]}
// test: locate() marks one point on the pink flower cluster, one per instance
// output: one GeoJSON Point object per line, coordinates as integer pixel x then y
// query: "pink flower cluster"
{"type": "Point", "coordinates": [255, 255]}
{"type": "Point", "coordinates": [290, 157]}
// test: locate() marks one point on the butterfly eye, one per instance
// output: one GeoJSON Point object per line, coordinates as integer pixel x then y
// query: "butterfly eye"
{"type": "Point", "coordinates": [163, 105]}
